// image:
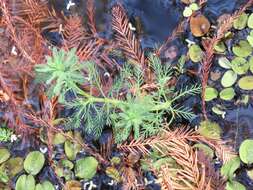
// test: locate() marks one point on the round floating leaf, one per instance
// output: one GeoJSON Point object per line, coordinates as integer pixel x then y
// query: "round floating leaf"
{"type": "Point", "coordinates": [46, 185]}
{"type": "Point", "coordinates": [250, 40]}
{"type": "Point", "coordinates": [251, 64]}
{"type": "Point", "coordinates": [228, 79]}
{"type": "Point", "coordinates": [246, 83]}
{"type": "Point", "coordinates": [210, 94]}
{"type": "Point", "coordinates": [228, 169]}
{"type": "Point", "coordinates": [14, 165]}
{"type": "Point", "coordinates": [240, 65]}
{"type": "Point", "coordinates": [206, 149]}
{"type": "Point", "coordinates": [71, 149]}
{"type": "Point", "coordinates": [187, 12]}
{"type": "Point", "coordinates": [210, 130]}
{"type": "Point", "coordinates": [199, 25]}
{"type": "Point", "coordinates": [227, 94]}
{"type": "Point", "coordinates": [25, 182]}
{"type": "Point", "coordinates": [34, 162]}
{"type": "Point", "coordinates": [250, 21]}
{"type": "Point", "coordinates": [246, 151]}
{"type": "Point", "coordinates": [4, 155]}
{"type": "Point", "coordinates": [242, 49]}
{"type": "Point", "coordinates": [59, 139]}
{"type": "Point", "coordinates": [234, 185]}
{"type": "Point", "coordinates": [194, 6]}
{"type": "Point", "coordinates": [220, 47]}
{"type": "Point", "coordinates": [224, 63]}
{"type": "Point", "coordinates": [241, 22]}
{"type": "Point", "coordinates": [195, 53]}
{"type": "Point", "coordinates": [67, 164]}
{"type": "Point", "coordinates": [86, 168]}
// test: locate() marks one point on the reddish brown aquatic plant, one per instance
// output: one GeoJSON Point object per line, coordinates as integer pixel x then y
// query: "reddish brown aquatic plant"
{"type": "Point", "coordinates": [125, 36]}
{"type": "Point", "coordinates": [209, 44]}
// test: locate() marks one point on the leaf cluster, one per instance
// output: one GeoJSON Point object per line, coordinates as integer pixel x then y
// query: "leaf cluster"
{"type": "Point", "coordinates": [128, 107]}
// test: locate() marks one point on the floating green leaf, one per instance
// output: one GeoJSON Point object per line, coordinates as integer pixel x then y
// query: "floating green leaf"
{"type": "Point", "coordinates": [34, 162]}
{"type": "Point", "coordinates": [229, 168]}
{"type": "Point", "coordinates": [234, 185]}
{"type": "Point", "coordinates": [210, 94]}
{"type": "Point", "coordinates": [194, 6]}
{"type": "Point", "coordinates": [246, 151]}
{"type": "Point", "coordinates": [240, 65]}
{"type": "Point", "coordinates": [251, 64]}
{"type": "Point", "coordinates": [228, 79]}
{"type": "Point", "coordinates": [71, 149]}
{"type": "Point", "coordinates": [246, 83]}
{"type": "Point", "coordinates": [227, 94]}
{"type": "Point", "coordinates": [220, 47]}
{"type": "Point", "coordinates": [195, 53]}
{"type": "Point", "coordinates": [250, 40]}
{"type": "Point", "coordinates": [224, 63]}
{"type": "Point", "coordinates": [25, 182]}
{"type": "Point", "coordinates": [187, 12]}
{"type": "Point", "coordinates": [250, 21]}
{"type": "Point", "coordinates": [86, 168]}
{"type": "Point", "coordinates": [206, 149]}
{"type": "Point", "coordinates": [4, 155]}
{"type": "Point", "coordinates": [14, 165]}
{"type": "Point", "coordinates": [4, 178]}
{"type": "Point", "coordinates": [241, 22]}
{"type": "Point", "coordinates": [242, 49]}
{"type": "Point", "coordinates": [210, 130]}
{"type": "Point", "coordinates": [46, 185]}
{"type": "Point", "coordinates": [58, 139]}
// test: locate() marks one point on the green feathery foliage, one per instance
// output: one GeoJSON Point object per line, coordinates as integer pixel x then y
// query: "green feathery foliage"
{"type": "Point", "coordinates": [137, 111]}
{"type": "Point", "coordinates": [5, 133]}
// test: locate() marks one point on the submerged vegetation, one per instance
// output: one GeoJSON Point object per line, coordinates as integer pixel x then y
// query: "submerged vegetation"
{"type": "Point", "coordinates": [82, 108]}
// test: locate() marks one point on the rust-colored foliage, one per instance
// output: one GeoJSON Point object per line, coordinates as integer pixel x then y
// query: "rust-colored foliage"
{"type": "Point", "coordinates": [209, 44]}
{"type": "Point", "coordinates": [195, 171]}
{"type": "Point", "coordinates": [124, 36]}
{"type": "Point", "coordinates": [90, 11]}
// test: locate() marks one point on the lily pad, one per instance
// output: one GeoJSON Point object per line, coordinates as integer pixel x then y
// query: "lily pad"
{"type": "Point", "coordinates": [246, 83]}
{"type": "Point", "coordinates": [251, 64]}
{"type": "Point", "coordinates": [220, 47]}
{"type": "Point", "coordinates": [46, 185]}
{"type": "Point", "coordinates": [228, 79]}
{"type": "Point", "coordinates": [86, 168]}
{"type": "Point", "coordinates": [34, 162]}
{"type": "Point", "coordinates": [250, 40]}
{"type": "Point", "coordinates": [234, 185]}
{"type": "Point", "coordinates": [195, 53]}
{"type": "Point", "coordinates": [242, 49]}
{"type": "Point", "coordinates": [194, 6]}
{"type": "Point", "coordinates": [25, 182]}
{"type": "Point", "coordinates": [229, 168]}
{"type": "Point", "coordinates": [227, 94]}
{"type": "Point", "coordinates": [187, 12]}
{"type": "Point", "coordinates": [210, 94]}
{"type": "Point", "coordinates": [246, 151]}
{"type": "Point", "coordinates": [224, 63]}
{"type": "Point", "coordinates": [250, 21]}
{"type": "Point", "coordinates": [240, 65]}
{"type": "Point", "coordinates": [59, 139]}
{"type": "Point", "coordinates": [206, 149]}
{"type": "Point", "coordinates": [241, 22]}
{"type": "Point", "coordinates": [199, 25]}
{"type": "Point", "coordinates": [210, 130]}
{"type": "Point", "coordinates": [4, 155]}
{"type": "Point", "coordinates": [14, 165]}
